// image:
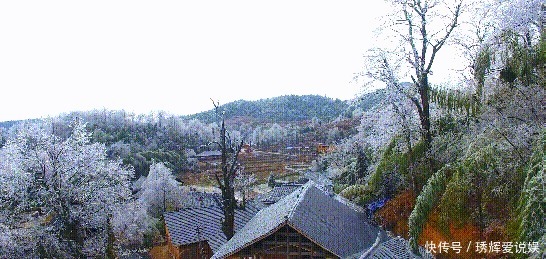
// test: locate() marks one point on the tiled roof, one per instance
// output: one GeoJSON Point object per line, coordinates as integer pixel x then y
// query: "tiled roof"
{"type": "Point", "coordinates": [279, 192]}
{"type": "Point", "coordinates": [209, 153]}
{"type": "Point", "coordinates": [183, 224]}
{"type": "Point", "coordinates": [311, 211]}
{"type": "Point", "coordinates": [395, 248]}
{"type": "Point", "coordinates": [201, 199]}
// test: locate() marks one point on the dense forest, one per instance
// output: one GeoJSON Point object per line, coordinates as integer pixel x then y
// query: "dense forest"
{"type": "Point", "coordinates": [462, 163]}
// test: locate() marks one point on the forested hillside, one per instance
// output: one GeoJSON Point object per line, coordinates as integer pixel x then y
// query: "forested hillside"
{"type": "Point", "coordinates": [458, 164]}
{"type": "Point", "coordinates": [141, 139]}
{"type": "Point", "coordinates": [288, 108]}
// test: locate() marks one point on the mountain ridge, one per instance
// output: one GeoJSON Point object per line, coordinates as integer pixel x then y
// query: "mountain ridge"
{"type": "Point", "coordinates": [285, 108]}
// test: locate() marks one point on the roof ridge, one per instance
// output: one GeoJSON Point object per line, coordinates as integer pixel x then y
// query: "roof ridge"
{"type": "Point", "coordinates": [299, 196]}
{"type": "Point", "coordinates": [195, 207]}
{"type": "Point", "coordinates": [211, 206]}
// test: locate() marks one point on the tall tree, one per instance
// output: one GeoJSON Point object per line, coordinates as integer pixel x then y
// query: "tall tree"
{"type": "Point", "coordinates": [229, 167]}
{"type": "Point", "coordinates": [425, 30]}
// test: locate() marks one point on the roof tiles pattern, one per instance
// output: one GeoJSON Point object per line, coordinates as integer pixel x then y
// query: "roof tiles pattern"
{"type": "Point", "coordinates": [396, 248]}
{"type": "Point", "coordinates": [279, 192]}
{"type": "Point", "coordinates": [183, 225]}
{"type": "Point", "coordinates": [328, 222]}
{"type": "Point", "coordinates": [209, 153]}
{"type": "Point", "coordinates": [332, 224]}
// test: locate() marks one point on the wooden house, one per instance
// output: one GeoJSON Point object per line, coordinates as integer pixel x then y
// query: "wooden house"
{"type": "Point", "coordinates": [308, 223]}
{"type": "Point", "coordinates": [313, 223]}
{"type": "Point", "coordinates": [322, 148]}
{"type": "Point", "coordinates": [395, 247]}
{"type": "Point", "coordinates": [209, 155]}
{"type": "Point", "coordinates": [197, 232]}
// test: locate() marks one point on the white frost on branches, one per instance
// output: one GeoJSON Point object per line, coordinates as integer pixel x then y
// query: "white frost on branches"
{"type": "Point", "coordinates": [160, 191]}
{"type": "Point", "coordinates": [520, 16]}
{"type": "Point", "coordinates": [132, 223]}
{"type": "Point", "coordinates": [61, 188]}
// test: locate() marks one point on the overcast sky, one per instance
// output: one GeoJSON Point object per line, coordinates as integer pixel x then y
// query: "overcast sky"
{"type": "Point", "coordinates": [60, 56]}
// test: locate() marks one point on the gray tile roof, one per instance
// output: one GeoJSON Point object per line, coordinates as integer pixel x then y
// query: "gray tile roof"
{"type": "Point", "coordinates": [395, 248]}
{"type": "Point", "coordinates": [323, 219]}
{"type": "Point", "coordinates": [279, 192]}
{"type": "Point", "coordinates": [183, 224]}
{"type": "Point", "coordinates": [201, 199]}
{"type": "Point", "coordinates": [209, 153]}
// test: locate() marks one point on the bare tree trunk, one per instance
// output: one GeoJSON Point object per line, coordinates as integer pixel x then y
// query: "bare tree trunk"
{"type": "Point", "coordinates": [226, 184]}
{"type": "Point", "coordinates": [227, 187]}
{"type": "Point", "coordinates": [419, 59]}
{"type": "Point", "coordinates": [425, 114]}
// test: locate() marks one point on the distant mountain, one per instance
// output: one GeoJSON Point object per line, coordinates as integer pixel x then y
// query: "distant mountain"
{"type": "Point", "coordinates": [287, 108]}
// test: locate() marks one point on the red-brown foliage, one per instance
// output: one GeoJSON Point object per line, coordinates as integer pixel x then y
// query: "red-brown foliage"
{"type": "Point", "coordinates": [394, 215]}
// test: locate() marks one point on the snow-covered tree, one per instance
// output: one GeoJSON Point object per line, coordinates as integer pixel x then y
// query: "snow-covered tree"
{"type": "Point", "coordinates": [423, 28]}
{"type": "Point", "coordinates": [532, 203]}
{"type": "Point", "coordinates": [393, 118]}
{"type": "Point", "coordinates": [160, 191]}
{"type": "Point", "coordinates": [523, 17]}
{"type": "Point", "coordinates": [243, 184]}
{"type": "Point", "coordinates": [132, 223]}
{"type": "Point", "coordinates": [60, 192]}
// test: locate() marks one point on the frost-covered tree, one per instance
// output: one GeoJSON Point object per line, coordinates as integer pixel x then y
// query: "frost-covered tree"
{"type": "Point", "coordinates": [395, 116]}
{"type": "Point", "coordinates": [499, 43]}
{"type": "Point", "coordinates": [271, 180]}
{"type": "Point", "coordinates": [243, 184]}
{"type": "Point", "coordinates": [160, 191]}
{"type": "Point", "coordinates": [132, 224]}
{"type": "Point", "coordinates": [193, 163]}
{"type": "Point", "coordinates": [425, 203]}
{"type": "Point", "coordinates": [58, 192]}
{"type": "Point", "coordinates": [423, 27]}
{"type": "Point", "coordinates": [333, 134]}
{"type": "Point", "coordinates": [523, 17]}
{"type": "Point", "coordinates": [2, 137]}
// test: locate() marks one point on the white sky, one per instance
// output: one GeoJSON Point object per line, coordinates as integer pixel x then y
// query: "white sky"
{"type": "Point", "coordinates": [61, 56]}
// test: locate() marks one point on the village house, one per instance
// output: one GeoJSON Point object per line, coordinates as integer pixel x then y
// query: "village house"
{"type": "Point", "coordinates": [246, 149]}
{"type": "Point", "coordinates": [323, 148]}
{"type": "Point", "coordinates": [209, 155]}
{"type": "Point", "coordinates": [278, 192]}
{"type": "Point", "coordinates": [196, 232]}
{"type": "Point", "coordinates": [307, 223]}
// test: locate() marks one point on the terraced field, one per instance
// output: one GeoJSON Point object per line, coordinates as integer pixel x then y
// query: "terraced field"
{"type": "Point", "coordinates": [259, 163]}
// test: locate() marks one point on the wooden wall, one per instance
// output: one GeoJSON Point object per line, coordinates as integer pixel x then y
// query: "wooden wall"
{"type": "Point", "coordinates": [285, 243]}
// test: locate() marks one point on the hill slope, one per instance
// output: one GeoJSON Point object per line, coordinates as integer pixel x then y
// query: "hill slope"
{"type": "Point", "coordinates": [285, 108]}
